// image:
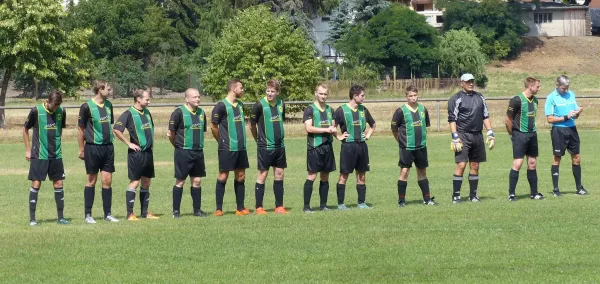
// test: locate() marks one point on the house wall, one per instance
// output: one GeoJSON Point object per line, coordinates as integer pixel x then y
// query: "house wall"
{"type": "Point", "coordinates": [564, 23]}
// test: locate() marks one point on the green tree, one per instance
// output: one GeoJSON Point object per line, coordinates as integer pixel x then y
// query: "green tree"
{"type": "Point", "coordinates": [460, 52]}
{"type": "Point", "coordinates": [257, 46]}
{"type": "Point", "coordinates": [124, 73]}
{"type": "Point", "coordinates": [495, 22]}
{"type": "Point", "coordinates": [34, 44]}
{"type": "Point", "coordinates": [350, 13]}
{"type": "Point", "coordinates": [395, 37]}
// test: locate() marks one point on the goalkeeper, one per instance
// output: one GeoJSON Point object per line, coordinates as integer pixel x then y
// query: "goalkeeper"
{"type": "Point", "coordinates": [467, 113]}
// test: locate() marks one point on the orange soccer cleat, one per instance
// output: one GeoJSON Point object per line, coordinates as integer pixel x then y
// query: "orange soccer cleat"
{"type": "Point", "coordinates": [280, 210]}
{"type": "Point", "coordinates": [243, 212]}
{"type": "Point", "coordinates": [218, 213]}
{"type": "Point", "coordinates": [260, 211]}
{"type": "Point", "coordinates": [150, 216]}
{"type": "Point", "coordinates": [132, 217]}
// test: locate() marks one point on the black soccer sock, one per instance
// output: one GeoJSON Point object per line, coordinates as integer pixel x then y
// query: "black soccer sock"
{"type": "Point", "coordinates": [144, 200]}
{"type": "Point", "coordinates": [240, 194]}
{"type": "Point", "coordinates": [473, 182]}
{"type": "Point", "coordinates": [456, 185]}
{"type": "Point", "coordinates": [323, 192]}
{"type": "Point", "coordinates": [259, 194]}
{"type": "Point", "coordinates": [513, 179]}
{"type": "Point", "coordinates": [196, 193]}
{"type": "Point", "coordinates": [424, 185]}
{"type": "Point", "coordinates": [554, 171]}
{"type": "Point", "coordinates": [219, 194]}
{"type": "Point", "coordinates": [177, 195]}
{"type": "Point", "coordinates": [33, 198]}
{"type": "Point", "coordinates": [533, 179]}
{"type": "Point", "coordinates": [308, 189]}
{"type": "Point", "coordinates": [89, 192]}
{"type": "Point", "coordinates": [341, 193]}
{"type": "Point", "coordinates": [577, 176]}
{"type": "Point", "coordinates": [278, 191]}
{"type": "Point", "coordinates": [106, 200]}
{"type": "Point", "coordinates": [402, 184]}
{"type": "Point", "coordinates": [130, 200]}
{"type": "Point", "coordinates": [59, 198]}
{"type": "Point", "coordinates": [361, 189]}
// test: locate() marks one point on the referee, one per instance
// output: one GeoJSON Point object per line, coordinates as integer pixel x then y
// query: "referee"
{"type": "Point", "coordinates": [140, 161]}
{"type": "Point", "coordinates": [562, 110]}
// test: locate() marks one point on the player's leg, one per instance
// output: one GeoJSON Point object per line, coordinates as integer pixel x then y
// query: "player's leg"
{"type": "Point", "coordinates": [532, 177]}
{"type": "Point", "coordinates": [476, 156]}
{"type": "Point", "coordinates": [423, 183]}
{"type": "Point", "coordinates": [134, 168]}
{"type": "Point", "coordinates": [279, 163]}
{"type": "Point", "coordinates": [240, 191]}
{"type": "Point", "coordinates": [130, 194]}
{"type": "Point", "coordinates": [196, 193]}
{"type": "Point", "coordinates": [59, 198]}
{"type": "Point", "coordinates": [220, 191]}
{"type": "Point", "coordinates": [457, 180]}
{"type": "Point", "coordinates": [473, 181]}
{"type": "Point", "coordinates": [259, 189]}
{"type": "Point", "coordinates": [520, 146]}
{"type": "Point", "coordinates": [361, 189]}
{"type": "Point", "coordinates": [33, 199]}
{"type": "Point", "coordinates": [341, 190]}
{"type": "Point", "coordinates": [145, 183]}
{"type": "Point", "coordinates": [348, 159]}
{"type": "Point", "coordinates": [558, 146]}
{"type": "Point", "coordinates": [108, 167]}
{"type": "Point", "coordinates": [324, 189]}
{"type": "Point", "coordinates": [92, 160]}
{"type": "Point", "coordinates": [312, 167]}
{"type": "Point", "coordinates": [38, 170]}
{"type": "Point", "coordinates": [573, 147]}
{"type": "Point", "coordinates": [402, 184]}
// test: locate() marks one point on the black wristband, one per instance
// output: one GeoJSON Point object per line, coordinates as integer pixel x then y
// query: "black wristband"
{"type": "Point", "coordinates": [566, 117]}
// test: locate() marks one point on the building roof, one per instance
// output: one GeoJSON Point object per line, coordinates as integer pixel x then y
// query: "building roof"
{"type": "Point", "coordinates": [594, 4]}
{"type": "Point", "coordinates": [550, 5]}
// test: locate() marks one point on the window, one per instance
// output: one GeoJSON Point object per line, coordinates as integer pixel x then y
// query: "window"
{"type": "Point", "coordinates": [420, 7]}
{"type": "Point", "coordinates": [439, 19]}
{"type": "Point", "coordinates": [540, 18]}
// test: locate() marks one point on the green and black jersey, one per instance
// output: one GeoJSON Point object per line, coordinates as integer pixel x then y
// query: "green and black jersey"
{"type": "Point", "coordinates": [140, 126]}
{"type": "Point", "coordinates": [523, 112]}
{"type": "Point", "coordinates": [232, 125]}
{"type": "Point", "coordinates": [353, 121]}
{"type": "Point", "coordinates": [97, 120]}
{"type": "Point", "coordinates": [411, 125]}
{"type": "Point", "coordinates": [269, 118]}
{"type": "Point", "coordinates": [189, 127]}
{"type": "Point", "coordinates": [47, 130]}
{"type": "Point", "coordinates": [320, 119]}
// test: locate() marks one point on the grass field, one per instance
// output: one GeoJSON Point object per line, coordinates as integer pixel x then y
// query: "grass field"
{"type": "Point", "coordinates": [553, 240]}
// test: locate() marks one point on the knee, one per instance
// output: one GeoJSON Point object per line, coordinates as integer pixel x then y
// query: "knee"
{"type": "Point", "coordinates": [312, 176]}
{"type": "Point", "coordinates": [196, 182]}
{"type": "Point", "coordinates": [36, 184]}
{"type": "Point", "coordinates": [241, 176]}
{"type": "Point", "coordinates": [134, 184]}
{"type": "Point", "coordinates": [146, 184]}
{"type": "Point", "coordinates": [576, 159]}
{"type": "Point", "coordinates": [279, 173]}
{"type": "Point", "coordinates": [324, 176]}
{"type": "Point", "coordinates": [181, 182]}
{"type": "Point", "coordinates": [361, 178]}
{"type": "Point", "coordinates": [343, 178]}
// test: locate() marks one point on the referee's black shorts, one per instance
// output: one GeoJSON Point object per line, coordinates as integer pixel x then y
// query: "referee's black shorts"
{"type": "Point", "coordinates": [233, 160]}
{"type": "Point", "coordinates": [39, 169]}
{"type": "Point", "coordinates": [140, 164]}
{"type": "Point", "coordinates": [99, 158]}
{"type": "Point", "coordinates": [320, 159]}
{"type": "Point", "coordinates": [564, 138]}
{"type": "Point", "coordinates": [473, 149]}
{"type": "Point", "coordinates": [354, 156]}
{"type": "Point", "coordinates": [189, 163]}
{"type": "Point", "coordinates": [418, 157]}
{"type": "Point", "coordinates": [524, 144]}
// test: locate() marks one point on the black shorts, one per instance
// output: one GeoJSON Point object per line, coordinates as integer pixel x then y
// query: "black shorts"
{"type": "Point", "coordinates": [271, 158]}
{"type": "Point", "coordinates": [189, 163]}
{"type": "Point", "coordinates": [232, 160]}
{"type": "Point", "coordinates": [320, 159]}
{"type": "Point", "coordinates": [408, 157]}
{"type": "Point", "coordinates": [564, 138]}
{"type": "Point", "coordinates": [140, 164]}
{"type": "Point", "coordinates": [99, 158]}
{"type": "Point", "coordinates": [39, 169]}
{"type": "Point", "coordinates": [524, 143]}
{"type": "Point", "coordinates": [354, 156]}
{"type": "Point", "coordinates": [473, 149]}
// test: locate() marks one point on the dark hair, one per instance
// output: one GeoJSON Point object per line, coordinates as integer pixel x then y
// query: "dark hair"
{"type": "Point", "coordinates": [55, 97]}
{"type": "Point", "coordinates": [274, 84]}
{"type": "Point", "coordinates": [138, 93]}
{"type": "Point", "coordinates": [411, 89]}
{"type": "Point", "coordinates": [99, 85]}
{"type": "Point", "coordinates": [231, 84]}
{"type": "Point", "coordinates": [355, 90]}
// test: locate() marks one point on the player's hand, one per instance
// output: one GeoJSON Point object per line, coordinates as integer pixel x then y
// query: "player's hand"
{"type": "Point", "coordinates": [345, 135]}
{"type": "Point", "coordinates": [332, 129]}
{"type": "Point", "coordinates": [572, 114]}
{"type": "Point", "coordinates": [28, 155]}
{"type": "Point", "coordinates": [364, 136]}
{"type": "Point", "coordinates": [579, 110]}
{"type": "Point", "coordinates": [456, 144]}
{"type": "Point", "coordinates": [134, 147]}
{"type": "Point", "coordinates": [491, 139]}
{"type": "Point", "coordinates": [81, 154]}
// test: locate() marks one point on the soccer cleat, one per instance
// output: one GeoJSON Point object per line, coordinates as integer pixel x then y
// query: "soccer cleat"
{"type": "Point", "coordinates": [260, 211]}
{"type": "Point", "coordinates": [243, 212]}
{"type": "Point", "coordinates": [512, 197]}
{"type": "Point", "coordinates": [280, 210]}
{"type": "Point", "coordinates": [150, 216]}
{"type": "Point", "coordinates": [363, 206]}
{"type": "Point", "coordinates": [131, 217]}
{"type": "Point", "coordinates": [307, 210]}
{"type": "Point", "coordinates": [343, 207]}
{"type": "Point", "coordinates": [474, 199]}
{"type": "Point", "coordinates": [33, 223]}
{"type": "Point", "coordinates": [176, 214]}
{"type": "Point", "coordinates": [429, 202]}
{"type": "Point", "coordinates": [63, 221]}
{"type": "Point", "coordinates": [89, 219]}
{"type": "Point", "coordinates": [581, 191]}
{"type": "Point", "coordinates": [537, 196]}
{"type": "Point", "coordinates": [324, 208]}
{"type": "Point", "coordinates": [456, 199]}
{"type": "Point", "coordinates": [218, 213]}
{"type": "Point", "coordinates": [110, 218]}
{"type": "Point", "coordinates": [200, 213]}
{"type": "Point", "coordinates": [556, 192]}
{"type": "Point", "coordinates": [401, 203]}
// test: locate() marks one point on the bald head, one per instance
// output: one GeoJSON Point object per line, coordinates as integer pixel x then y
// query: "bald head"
{"type": "Point", "coordinates": [191, 92]}
{"type": "Point", "coordinates": [192, 98]}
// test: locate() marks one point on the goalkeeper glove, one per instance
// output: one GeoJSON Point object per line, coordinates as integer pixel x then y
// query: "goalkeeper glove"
{"type": "Point", "coordinates": [491, 139]}
{"type": "Point", "coordinates": [456, 144]}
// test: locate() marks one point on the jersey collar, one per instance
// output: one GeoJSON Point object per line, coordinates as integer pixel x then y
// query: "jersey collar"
{"type": "Point", "coordinates": [45, 108]}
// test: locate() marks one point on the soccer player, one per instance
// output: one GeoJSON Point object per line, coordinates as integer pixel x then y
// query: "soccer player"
{"type": "Point", "coordinates": [409, 127]}
{"type": "Point", "coordinates": [140, 161]}
{"type": "Point", "coordinates": [467, 113]}
{"type": "Point", "coordinates": [353, 118]}
{"type": "Point", "coordinates": [562, 110]}
{"type": "Point", "coordinates": [269, 114]}
{"type": "Point", "coordinates": [45, 157]}
{"type": "Point", "coordinates": [96, 148]}
{"type": "Point", "coordinates": [228, 126]}
{"type": "Point", "coordinates": [521, 127]}
{"type": "Point", "coordinates": [186, 133]}
{"type": "Point", "coordinates": [319, 124]}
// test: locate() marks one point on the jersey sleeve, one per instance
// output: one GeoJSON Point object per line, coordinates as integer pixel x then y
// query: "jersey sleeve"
{"type": "Point", "coordinates": [175, 120]}
{"type": "Point", "coordinates": [283, 113]}
{"type": "Point", "coordinates": [151, 119]}
{"type": "Point", "coordinates": [486, 113]}
{"type": "Point", "coordinates": [84, 115]}
{"type": "Point", "coordinates": [339, 117]}
{"type": "Point", "coordinates": [369, 118]}
{"type": "Point", "coordinates": [64, 121]}
{"type": "Point", "coordinates": [121, 123]}
{"type": "Point", "coordinates": [204, 114]}
{"type": "Point", "coordinates": [549, 107]}
{"type": "Point", "coordinates": [112, 115]}
{"type": "Point", "coordinates": [453, 105]}
{"type": "Point", "coordinates": [397, 118]}
{"type": "Point", "coordinates": [218, 113]}
{"type": "Point", "coordinates": [31, 119]}
{"type": "Point", "coordinates": [308, 114]}
{"type": "Point", "coordinates": [513, 106]}
{"type": "Point", "coordinates": [427, 120]}
{"type": "Point", "coordinates": [256, 112]}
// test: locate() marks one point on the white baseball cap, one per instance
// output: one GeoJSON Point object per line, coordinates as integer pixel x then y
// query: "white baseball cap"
{"type": "Point", "coordinates": [466, 77]}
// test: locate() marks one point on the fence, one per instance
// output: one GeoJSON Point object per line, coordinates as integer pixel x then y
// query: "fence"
{"type": "Point", "coordinates": [423, 84]}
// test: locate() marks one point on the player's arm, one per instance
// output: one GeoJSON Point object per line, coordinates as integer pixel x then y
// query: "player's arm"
{"type": "Point", "coordinates": [549, 110]}
{"type": "Point", "coordinates": [218, 113]}
{"type": "Point", "coordinates": [513, 105]}
{"type": "Point", "coordinates": [214, 129]}
{"type": "Point", "coordinates": [308, 123]}
{"type": "Point", "coordinates": [84, 115]}
{"type": "Point", "coordinates": [120, 126]}
{"type": "Point", "coordinates": [395, 124]}
{"type": "Point", "coordinates": [254, 117]}
{"type": "Point", "coordinates": [29, 123]}
{"type": "Point", "coordinates": [174, 122]}
{"type": "Point", "coordinates": [339, 120]}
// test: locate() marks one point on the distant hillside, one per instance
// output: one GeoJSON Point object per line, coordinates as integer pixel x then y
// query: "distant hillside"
{"type": "Point", "coordinates": [551, 55]}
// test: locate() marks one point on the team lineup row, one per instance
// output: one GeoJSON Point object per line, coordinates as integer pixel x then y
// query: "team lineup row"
{"type": "Point", "coordinates": [467, 114]}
